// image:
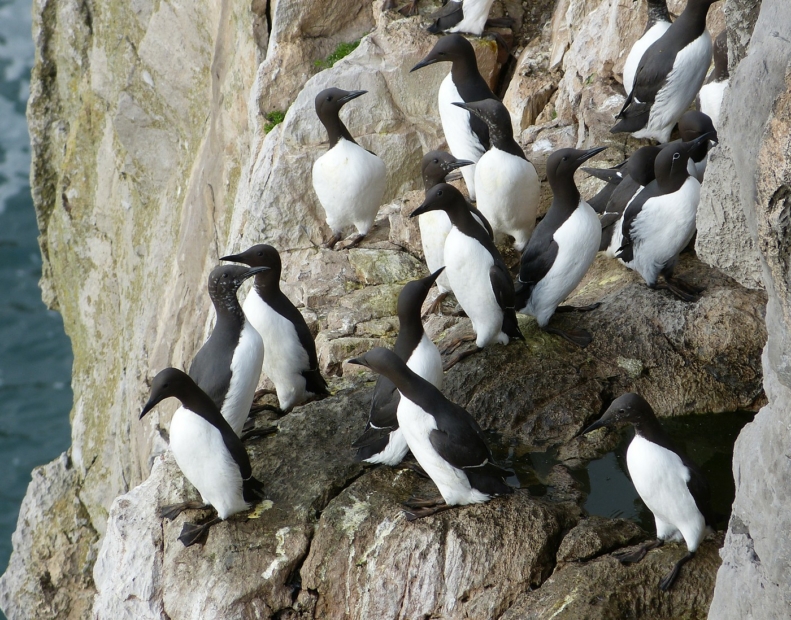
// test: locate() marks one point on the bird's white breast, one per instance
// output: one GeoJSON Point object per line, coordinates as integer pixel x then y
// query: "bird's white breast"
{"type": "Point", "coordinates": [476, 13]}
{"type": "Point", "coordinates": [426, 362]}
{"type": "Point", "coordinates": [711, 96]}
{"type": "Point", "coordinates": [508, 192]}
{"type": "Point", "coordinates": [663, 228]}
{"type": "Point", "coordinates": [205, 461]}
{"type": "Point", "coordinates": [578, 242]}
{"type": "Point", "coordinates": [637, 51]}
{"type": "Point", "coordinates": [434, 229]}
{"type": "Point", "coordinates": [245, 373]}
{"type": "Point", "coordinates": [660, 478]}
{"type": "Point", "coordinates": [467, 264]}
{"type": "Point", "coordinates": [462, 142]}
{"type": "Point", "coordinates": [284, 357]}
{"type": "Point", "coordinates": [350, 184]}
{"type": "Point", "coordinates": [453, 485]}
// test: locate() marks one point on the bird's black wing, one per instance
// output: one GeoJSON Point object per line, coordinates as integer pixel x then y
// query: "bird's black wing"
{"type": "Point", "coordinates": [537, 260]}
{"type": "Point", "coordinates": [652, 72]}
{"type": "Point", "coordinates": [446, 17]}
{"type": "Point", "coordinates": [611, 175]}
{"type": "Point", "coordinates": [211, 368]}
{"type": "Point", "coordinates": [699, 489]}
{"type": "Point", "coordinates": [503, 288]}
{"type": "Point", "coordinates": [384, 405]}
{"type": "Point", "coordinates": [458, 439]}
{"type": "Point", "coordinates": [483, 221]}
{"type": "Point", "coordinates": [626, 251]}
{"type": "Point", "coordinates": [599, 202]}
{"type": "Point", "coordinates": [235, 447]}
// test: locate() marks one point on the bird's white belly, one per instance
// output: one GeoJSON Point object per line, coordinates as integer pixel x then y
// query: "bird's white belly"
{"type": "Point", "coordinates": [578, 242]}
{"type": "Point", "coordinates": [426, 362]}
{"type": "Point", "coordinates": [434, 229]}
{"type": "Point", "coordinates": [637, 51]}
{"type": "Point", "coordinates": [663, 228]}
{"type": "Point", "coordinates": [476, 12]}
{"type": "Point", "coordinates": [284, 357]}
{"type": "Point", "coordinates": [508, 192]}
{"type": "Point", "coordinates": [660, 478]}
{"type": "Point", "coordinates": [682, 85]}
{"type": "Point", "coordinates": [452, 483]}
{"type": "Point", "coordinates": [350, 184]}
{"type": "Point", "coordinates": [462, 142]}
{"type": "Point", "coordinates": [711, 96]}
{"type": "Point", "coordinates": [245, 373]}
{"type": "Point", "coordinates": [467, 264]}
{"type": "Point", "coordinates": [205, 461]}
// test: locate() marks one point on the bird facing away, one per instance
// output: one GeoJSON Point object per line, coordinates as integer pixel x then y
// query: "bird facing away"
{"type": "Point", "coordinates": [467, 136]}
{"type": "Point", "coordinates": [382, 441]}
{"type": "Point", "coordinates": [657, 25]}
{"type": "Point", "coordinates": [668, 482]}
{"type": "Point", "coordinates": [669, 76]}
{"type": "Point", "coordinates": [562, 247]}
{"type": "Point", "coordinates": [208, 452]}
{"type": "Point", "coordinates": [506, 183]}
{"type": "Point", "coordinates": [660, 221]}
{"type": "Point", "coordinates": [712, 92]}
{"type": "Point", "coordinates": [467, 16]}
{"type": "Point", "coordinates": [348, 180]}
{"type": "Point", "coordinates": [476, 271]}
{"type": "Point", "coordinates": [228, 365]}
{"type": "Point", "coordinates": [446, 441]}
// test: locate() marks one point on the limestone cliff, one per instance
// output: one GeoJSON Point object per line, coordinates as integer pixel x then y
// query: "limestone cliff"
{"type": "Point", "coordinates": [153, 156]}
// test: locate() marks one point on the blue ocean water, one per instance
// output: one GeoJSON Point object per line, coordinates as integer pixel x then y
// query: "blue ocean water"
{"type": "Point", "coordinates": [35, 354]}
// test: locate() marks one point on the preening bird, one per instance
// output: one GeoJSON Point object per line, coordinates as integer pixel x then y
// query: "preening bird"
{"type": "Point", "coordinates": [348, 180]}
{"type": "Point", "coordinates": [446, 440]}
{"type": "Point", "coordinates": [668, 482]}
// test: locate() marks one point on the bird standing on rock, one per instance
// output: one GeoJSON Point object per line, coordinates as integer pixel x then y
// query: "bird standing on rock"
{"type": "Point", "coordinates": [668, 482]}
{"type": "Point", "coordinates": [208, 452]}
{"type": "Point", "coordinates": [562, 247]}
{"type": "Point", "coordinates": [506, 183]}
{"type": "Point", "coordinates": [228, 366]}
{"type": "Point", "coordinates": [467, 136]}
{"type": "Point", "coordinates": [669, 76]}
{"type": "Point", "coordinates": [476, 271]}
{"type": "Point", "coordinates": [446, 441]}
{"type": "Point", "coordinates": [348, 180]}
{"type": "Point", "coordinates": [382, 441]}
{"type": "Point", "coordinates": [657, 25]}
{"type": "Point", "coordinates": [461, 16]}
{"type": "Point", "coordinates": [289, 359]}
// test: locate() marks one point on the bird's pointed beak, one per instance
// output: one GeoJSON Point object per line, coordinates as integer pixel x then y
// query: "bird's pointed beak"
{"type": "Point", "coordinates": [433, 277]}
{"type": "Point", "coordinates": [711, 135]}
{"type": "Point", "coordinates": [424, 208]}
{"type": "Point", "coordinates": [148, 407]}
{"type": "Point", "coordinates": [358, 361]}
{"type": "Point", "coordinates": [590, 153]}
{"type": "Point", "coordinates": [233, 258]}
{"type": "Point", "coordinates": [459, 163]}
{"type": "Point", "coordinates": [352, 95]}
{"type": "Point", "coordinates": [592, 427]}
{"type": "Point", "coordinates": [465, 106]}
{"type": "Point", "coordinates": [428, 60]}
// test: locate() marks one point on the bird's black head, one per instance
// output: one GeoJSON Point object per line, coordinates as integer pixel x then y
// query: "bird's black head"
{"type": "Point", "coordinates": [491, 112]}
{"type": "Point", "coordinates": [260, 255]}
{"type": "Point", "coordinates": [414, 294]}
{"type": "Point", "coordinates": [629, 408]}
{"type": "Point", "coordinates": [225, 280]}
{"type": "Point", "coordinates": [562, 164]}
{"type": "Point", "coordinates": [167, 383]}
{"type": "Point", "coordinates": [379, 360]}
{"type": "Point", "coordinates": [694, 124]}
{"type": "Point", "coordinates": [330, 101]}
{"type": "Point", "coordinates": [670, 166]}
{"type": "Point", "coordinates": [641, 164]}
{"type": "Point", "coordinates": [442, 197]}
{"type": "Point", "coordinates": [436, 165]}
{"type": "Point", "coordinates": [449, 48]}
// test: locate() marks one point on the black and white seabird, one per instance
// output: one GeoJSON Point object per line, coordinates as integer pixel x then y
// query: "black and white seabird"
{"type": "Point", "coordinates": [660, 221]}
{"type": "Point", "coordinates": [506, 183]}
{"type": "Point", "coordinates": [562, 246]}
{"type": "Point", "coordinates": [668, 482]}
{"type": "Point", "coordinates": [289, 359]}
{"type": "Point", "coordinates": [228, 365]}
{"type": "Point", "coordinates": [657, 25]}
{"type": "Point", "coordinates": [476, 271]}
{"type": "Point", "coordinates": [692, 126]}
{"type": "Point", "coordinates": [467, 135]}
{"type": "Point", "coordinates": [349, 181]}
{"type": "Point", "coordinates": [712, 92]}
{"type": "Point", "coordinates": [382, 441]}
{"type": "Point", "coordinates": [669, 76]}
{"type": "Point", "coordinates": [446, 440]}
{"type": "Point", "coordinates": [637, 173]}
{"type": "Point", "coordinates": [208, 452]}
{"type": "Point", "coordinates": [468, 16]}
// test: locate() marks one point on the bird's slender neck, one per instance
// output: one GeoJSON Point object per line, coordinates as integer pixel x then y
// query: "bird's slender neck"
{"type": "Point", "coordinates": [657, 12]}
{"type": "Point", "coordinates": [267, 283]}
{"type": "Point", "coordinates": [565, 195]}
{"type": "Point", "coordinates": [227, 307]}
{"type": "Point", "coordinates": [336, 129]}
{"type": "Point", "coordinates": [199, 403]}
{"type": "Point", "coordinates": [465, 69]}
{"type": "Point", "coordinates": [673, 180]}
{"type": "Point", "coordinates": [502, 138]}
{"type": "Point", "coordinates": [693, 18]}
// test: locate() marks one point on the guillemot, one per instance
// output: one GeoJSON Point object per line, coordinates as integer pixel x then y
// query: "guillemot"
{"type": "Point", "coordinates": [669, 76]}
{"type": "Point", "coordinates": [290, 359]}
{"type": "Point", "coordinates": [348, 180]}
{"type": "Point", "coordinates": [657, 25]}
{"type": "Point", "coordinates": [506, 183]}
{"type": "Point", "coordinates": [712, 92]}
{"type": "Point", "coordinates": [468, 16]}
{"type": "Point", "coordinates": [668, 482]}
{"type": "Point", "coordinates": [691, 126]}
{"type": "Point", "coordinates": [382, 441]}
{"type": "Point", "coordinates": [208, 452]}
{"type": "Point", "coordinates": [467, 136]}
{"type": "Point", "coordinates": [228, 365]}
{"type": "Point", "coordinates": [562, 247]}
{"type": "Point", "coordinates": [446, 440]}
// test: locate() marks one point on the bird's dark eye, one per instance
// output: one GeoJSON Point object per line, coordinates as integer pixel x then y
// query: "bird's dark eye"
{"type": "Point", "coordinates": [260, 254]}
{"type": "Point", "coordinates": [565, 158]}
{"type": "Point", "coordinates": [676, 156]}
{"type": "Point", "coordinates": [225, 275]}
{"type": "Point", "coordinates": [622, 411]}
{"type": "Point", "coordinates": [439, 193]}
{"type": "Point", "coordinates": [165, 385]}
{"type": "Point", "coordinates": [436, 161]}
{"type": "Point", "coordinates": [329, 98]}
{"type": "Point", "coordinates": [441, 53]}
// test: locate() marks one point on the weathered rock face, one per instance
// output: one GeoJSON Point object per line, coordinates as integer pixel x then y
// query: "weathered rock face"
{"type": "Point", "coordinates": [151, 159]}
